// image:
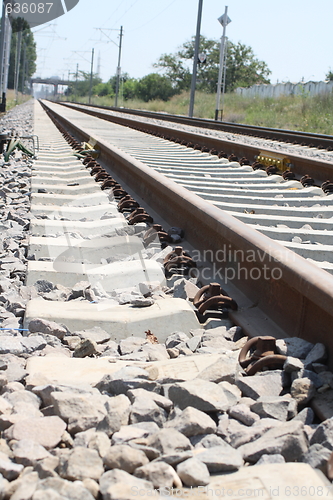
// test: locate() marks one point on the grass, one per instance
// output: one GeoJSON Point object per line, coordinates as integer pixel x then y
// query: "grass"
{"type": "Point", "coordinates": [11, 100]}
{"type": "Point", "coordinates": [301, 112]}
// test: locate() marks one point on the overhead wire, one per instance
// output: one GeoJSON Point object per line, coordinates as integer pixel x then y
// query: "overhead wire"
{"type": "Point", "coordinates": [153, 18]}
{"type": "Point", "coordinates": [113, 13]}
{"type": "Point", "coordinates": [121, 17]}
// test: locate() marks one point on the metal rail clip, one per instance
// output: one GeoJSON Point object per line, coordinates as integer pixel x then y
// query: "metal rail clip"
{"type": "Point", "coordinates": [212, 296]}
{"type": "Point", "coordinates": [139, 215]}
{"type": "Point", "coordinates": [127, 202]}
{"type": "Point", "coordinates": [178, 261]}
{"type": "Point", "coordinates": [154, 232]}
{"type": "Point", "coordinates": [265, 355]}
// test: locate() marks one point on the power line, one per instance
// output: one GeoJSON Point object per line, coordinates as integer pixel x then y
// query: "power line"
{"type": "Point", "coordinates": [113, 13]}
{"type": "Point", "coordinates": [155, 17]}
{"type": "Point", "coordinates": [79, 52]}
{"type": "Point", "coordinates": [102, 30]}
{"type": "Point", "coordinates": [129, 8]}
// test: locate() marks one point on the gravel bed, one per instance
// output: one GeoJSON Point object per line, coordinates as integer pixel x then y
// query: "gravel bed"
{"type": "Point", "coordinates": [15, 217]}
{"type": "Point", "coordinates": [132, 433]}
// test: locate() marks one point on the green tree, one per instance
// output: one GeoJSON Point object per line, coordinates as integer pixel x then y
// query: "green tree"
{"type": "Point", "coordinates": [102, 89]}
{"type": "Point", "coordinates": [329, 75]}
{"type": "Point", "coordinates": [113, 80]}
{"type": "Point", "coordinates": [175, 68]}
{"type": "Point", "coordinates": [154, 86]}
{"type": "Point", "coordinates": [82, 85]}
{"type": "Point", "coordinates": [129, 88]}
{"type": "Point", "coordinates": [27, 41]}
{"type": "Point", "coordinates": [243, 68]}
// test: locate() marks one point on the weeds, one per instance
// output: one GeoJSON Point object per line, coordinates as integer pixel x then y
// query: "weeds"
{"type": "Point", "coordinates": [11, 102]}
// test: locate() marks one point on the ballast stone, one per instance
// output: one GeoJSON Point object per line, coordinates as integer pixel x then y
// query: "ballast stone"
{"type": "Point", "coordinates": [302, 390]}
{"type": "Point", "coordinates": [192, 422]}
{"type": "Point", "coordinates": [146, 427]}
{"type": "Point", "coordinates": [221, 459]}
{"type": "Point", "coordinates": [294, 346]}
{"type": "Point", "coordinates": [45, 431]}
{"type": "Point", "coordinates": [317, 456]}
{"type": "Point", "coordinates": [161, 474]}
{"type": "Point", "coordinates": [125, 457]}
{"type": "Point", "coordinates": [201, 394]}
{"type": "Point", "coordinates": [272, 407]}
{"type": "Point", "coordinates": [268, 384]}
{"type": "Point", "coordinates": [117, 484]}
{"type": "Point", "coordinates": [27, 452]}
{"type": "Point", "coordinates": [39, 325]}
{"type": "Point", "coordinates": [143, 410]}
{"type": "Point", "coordinates": [317, 354]}
{"type": "Point", "coordinates": [243, 413]}
{"type": "Point", "coordinates": [81, 463]}
{"type": "Point", "coordinates": [287, 439]}
{"type": "Point", "coordinates": [193, 472]}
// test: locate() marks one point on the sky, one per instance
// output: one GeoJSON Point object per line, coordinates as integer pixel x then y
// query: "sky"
{"type": "Point", "coordinates": [293, 37]}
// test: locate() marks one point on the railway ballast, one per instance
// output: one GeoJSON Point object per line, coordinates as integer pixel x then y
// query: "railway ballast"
{"type": "Point", "coordinates": [114, 383]}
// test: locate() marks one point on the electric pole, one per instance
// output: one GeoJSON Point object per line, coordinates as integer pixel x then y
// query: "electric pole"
{"type": "Point", "coordinates": [17, 67]}
{"type": "Point", "coordinates": [91, 75]}
{"type": "Point", "coordinates": [224, 20]}
{"type": "Point", "coordinates": [118, 67]}
{"type": "Point", "coordinates": [195, 61]}
{"type": "Point", "coordinates": [5, 40]}
{"type": "Point", "coordinates": [76, 77]}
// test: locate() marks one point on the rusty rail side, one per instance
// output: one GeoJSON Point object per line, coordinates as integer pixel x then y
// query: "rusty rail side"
{"type": "Point", "coordinates": [297, 295]}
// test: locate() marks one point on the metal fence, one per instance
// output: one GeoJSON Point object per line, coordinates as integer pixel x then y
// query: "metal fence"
{"type": "Point", "coordinates": [279, 89]}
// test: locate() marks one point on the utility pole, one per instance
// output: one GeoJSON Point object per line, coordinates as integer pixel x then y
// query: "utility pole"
{"type": "Point", "coordinates": [91, 75]}
{"type": "Point", "coordinates": [99, 64]}
{"type": "Point", "coordinates": [24, 65]}
{"type": "Point", "coordinates": [118, 67]}
{"type": "Point", "coordinates": [5, 39]}
{"type": "Point", "coordinates": [224, 75]}
{"type": "Point", "coordinates": [224, 20]}
{"type": "Point", "coordinates": [76, 77]}
{"type": "Point", "coordinates": [118, 71]}
{"type": "Point", "coordinates": [17, 67]}
{"type": "Point", "coordinates": [195, 60]}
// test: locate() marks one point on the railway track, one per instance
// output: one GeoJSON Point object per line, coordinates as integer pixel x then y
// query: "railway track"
{"type": "Point", "coordinates": [320, 141]}
{"type": "Point", "coordinates": [304, 212]}
{"type": "Point", "coordinates": [167, 408]}
{"type": "Point", "coordinates": [273, 207]}
{"type": "Point", "coordinates": [300, 160]}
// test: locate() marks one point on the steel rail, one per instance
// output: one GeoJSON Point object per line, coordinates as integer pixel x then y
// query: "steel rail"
{"type": "Point", "coordinates": [299, 303]}
{"type": "Point", "coordinates": [301, 165]}
{"type": "Point", "coordinates": [310, 139]}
